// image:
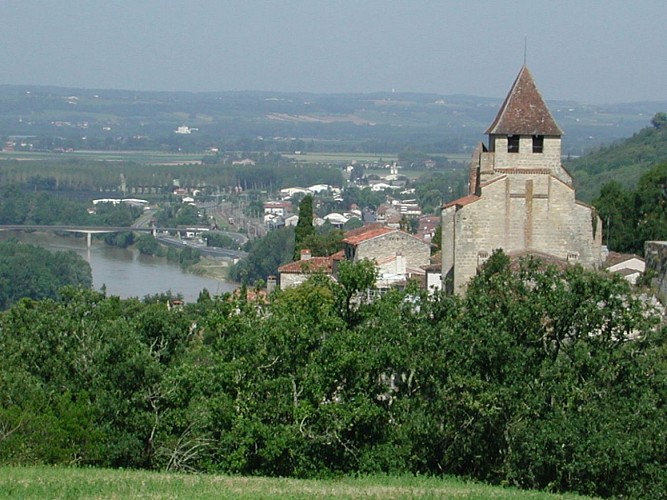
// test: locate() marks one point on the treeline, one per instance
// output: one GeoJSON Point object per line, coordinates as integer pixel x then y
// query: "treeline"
{"type": "Point", "coordinates": [632, 216]}
{"type": "Point", "coordinates": [28, 271]}
{"type": "Point", "coordinates": [538, 377]}
{"type": "Point", "coordinates": [19, 207]}
{"type": "Point", "coordinates": [270, 173]}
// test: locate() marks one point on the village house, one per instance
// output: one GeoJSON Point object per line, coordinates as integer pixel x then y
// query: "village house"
{"type": "Point", "coordinates": [630, 266]}
{"type": "Point", "coordinates": [428, 225]}
{"type": "Point", "coordinates": [389, 247]}
{"type": "Point", "coordinates": [399, 257]}
{"type": "Point", "coordinates": [388, 215]}
{"type": "Point", "coordinates": [295, 273]}
{"type": "Point", "coordinates": [521, 199]}
{"type": "Point", "coordinates": [282, 208]}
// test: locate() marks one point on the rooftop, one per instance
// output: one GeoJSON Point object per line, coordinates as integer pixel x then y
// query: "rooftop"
{"type": "Point", "coordinates": [524, 112]}
{"type": "Point", "coordinates": [312, 265]}
{"type": "Point", "coordinates": [371, 231]}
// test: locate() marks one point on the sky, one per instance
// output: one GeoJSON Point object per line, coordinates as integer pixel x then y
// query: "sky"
{"type": "Point", "coordinates": [590, 51]}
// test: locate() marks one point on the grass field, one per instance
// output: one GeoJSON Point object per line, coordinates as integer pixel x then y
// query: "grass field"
{"type": "Point", "coordinates": [59, 482]}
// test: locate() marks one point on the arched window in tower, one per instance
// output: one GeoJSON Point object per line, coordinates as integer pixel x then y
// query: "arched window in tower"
{"type": "Point", "coordinates": [538, 143]}
{"type": "Point", "coordinates": [512, 143]}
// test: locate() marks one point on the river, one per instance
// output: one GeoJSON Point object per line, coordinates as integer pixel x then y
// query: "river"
{"type": "Point", "coordinates": [125, 272]}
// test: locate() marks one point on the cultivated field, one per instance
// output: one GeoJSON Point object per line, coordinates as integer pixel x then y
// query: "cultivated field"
{"type": "Point", "coordinates": [58, 482]}
{"type": "Point", "coordinates": [153, 157]}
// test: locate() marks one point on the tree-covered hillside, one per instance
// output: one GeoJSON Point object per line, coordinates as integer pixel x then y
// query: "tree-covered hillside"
{"type": "Point", "coordinates": [623, 161]}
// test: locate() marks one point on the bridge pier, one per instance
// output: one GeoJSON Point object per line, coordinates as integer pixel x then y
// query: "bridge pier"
{"type": "Point", "coordinates": [89, 239]}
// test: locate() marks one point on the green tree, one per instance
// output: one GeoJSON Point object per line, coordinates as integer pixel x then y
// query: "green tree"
{"type": "Point", "coordinates": [651, 204]}
{"type": "Point", "coordinates": [304, 226]}
{"type": "Point", "coordinates": [354, 278]}
{"type": "Point", "coordinates": [659, 120]}
{"type": "Point", "coordinates": [616, 207]}
{"type": "Point", "coordinates": [33, 272]}
{"type": "Point", "coordinates": [214, 239]}
{"type": "Point", "coordinates": [147, 245]}
{"type": "Point", "coordinates": [264, 257]}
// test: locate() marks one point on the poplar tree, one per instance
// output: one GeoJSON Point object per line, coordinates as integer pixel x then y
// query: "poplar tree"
{"type": "Point", "coordinates": [304, 226]}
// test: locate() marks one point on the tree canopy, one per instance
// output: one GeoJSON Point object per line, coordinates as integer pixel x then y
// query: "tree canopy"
{"type": "Point", "coordinates": [537, 377]}
{"type": "Point", "coordinates": [633, 216]}
{"type": "Point", "coordinates": [28, 271]}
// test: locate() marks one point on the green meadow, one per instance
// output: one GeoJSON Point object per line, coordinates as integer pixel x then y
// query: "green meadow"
{"type": "Point", "coordinates": [62, 482]}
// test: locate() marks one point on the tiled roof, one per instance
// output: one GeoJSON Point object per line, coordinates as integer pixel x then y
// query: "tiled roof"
{"type": "Point", "coordinates": [524, 112]}
{"type": "Point", "coordinates": [465, 200]}
{"type": "Point", "coordinates": [370, 233]}
{"type": "Point", "coordinates": [339, 255]}
{"type": "Point", "coordinates": [312, 265]}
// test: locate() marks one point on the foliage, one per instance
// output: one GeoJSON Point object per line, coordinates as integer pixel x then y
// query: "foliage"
{"type": "Point", "coordinates": [264, 257]}
{"type": "Point", "coordinates": [537, 377]}
{"type": "Point", "coordinates": [121, 215]}
{"type": "Point", "coordinates": [148, 245]}
{"type": "Point", "coordinates": [189, 256]}
{"type": "Point", "coordinates": [435, 188]}
{"type": "Point", "coordinates": [659, 120]}
{"type": "Point", "coordinates": [174, 215]}
{"type": "Point", "coordinates": [326, 240]}
{"type": "Point", "coordinates": [20, 207]}
{"type": "Point", "coordinates": [270, 173]}
{"type": "Point", "coordinates": [354, 279]}
{"type": "Point", "coordinates": [219, 240]}
{"type": "Point", "coordinates": [631, 217]}
{"type": "Point", "coordinates": [304, 226]}
{"type": "Point", "coordinates": [436, 242]}
{"type": "Point", "coordinates": [624, 161]}
{"type": "Point", "coordinates": [33, 272]}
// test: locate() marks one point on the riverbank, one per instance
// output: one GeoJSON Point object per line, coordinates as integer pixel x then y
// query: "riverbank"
{"type": "Point", "coordinates": [126, 273]}
{"type": "Point", "coordinates": [212, 268]}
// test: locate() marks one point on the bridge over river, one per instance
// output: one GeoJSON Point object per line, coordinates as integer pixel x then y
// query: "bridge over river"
{"type": "Point", "coordinates": [160, 233]}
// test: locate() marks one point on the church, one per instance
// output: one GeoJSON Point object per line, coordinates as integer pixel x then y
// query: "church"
{"type": "Point", "coordinates": [521, 199]}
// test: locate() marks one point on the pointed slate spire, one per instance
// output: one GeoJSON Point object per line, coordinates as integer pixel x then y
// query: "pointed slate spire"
{"type": "Point", "coordinates": [524, 111]}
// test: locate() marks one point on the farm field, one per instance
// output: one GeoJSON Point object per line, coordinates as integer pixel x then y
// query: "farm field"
{"type": "Point", "coordinates": [61, 482]}
{"type": "Point", "coordinates": [363, 157]}
{"type": "Point", "coordinates": [152, 157]}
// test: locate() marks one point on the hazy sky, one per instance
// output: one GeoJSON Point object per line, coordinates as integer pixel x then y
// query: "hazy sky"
{"type": "Point", "coordinates": [597, 51]}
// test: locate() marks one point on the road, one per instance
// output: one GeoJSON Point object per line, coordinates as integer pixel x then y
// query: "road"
{"type": "Point", "coordinates": [207, 251]}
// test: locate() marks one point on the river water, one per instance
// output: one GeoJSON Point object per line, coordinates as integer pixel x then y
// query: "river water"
{"type": "Point", "coordinates": [125, 272]}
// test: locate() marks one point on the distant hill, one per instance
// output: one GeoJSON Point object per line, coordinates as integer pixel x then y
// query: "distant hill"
{"type": "Point", "coordinates": [623, 161]}
{"type": "Point", "coordinates": [53, 118]}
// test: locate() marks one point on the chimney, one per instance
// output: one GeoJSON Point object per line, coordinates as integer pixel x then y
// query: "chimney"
{"type": "Point", "coordinates": [305, 254]}
{"type": "Point", "coordinates": [270, 285]}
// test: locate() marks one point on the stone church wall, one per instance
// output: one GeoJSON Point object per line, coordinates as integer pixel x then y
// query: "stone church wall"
{"type": "Point", "coordinates": [518, 213]}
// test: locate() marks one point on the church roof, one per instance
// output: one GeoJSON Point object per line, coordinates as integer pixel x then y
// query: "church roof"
{"type": "Point", "coordinates": [524, 112]}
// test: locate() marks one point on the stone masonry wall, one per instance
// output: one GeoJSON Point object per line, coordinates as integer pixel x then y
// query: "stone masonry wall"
{"type": "Point", "coordinates": [416, 252]}
{"type": "Point", "coordinates": [655, 256]}
{"type": "Point", "coordinates": [522, 212]}
{"type": "Point", "coordinates": [549, 158]}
